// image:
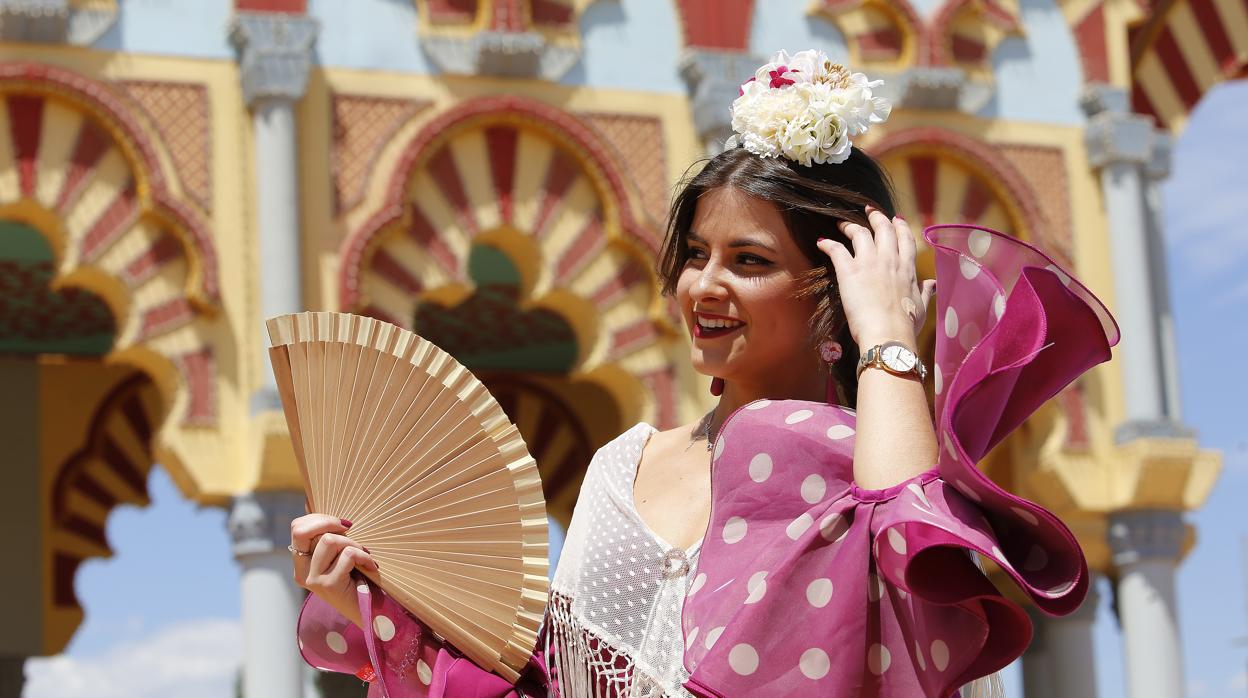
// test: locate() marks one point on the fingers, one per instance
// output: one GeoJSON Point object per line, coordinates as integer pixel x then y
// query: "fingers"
{"type": "Point", "coordinates": [305, 529]}
{"type": "Point", "coordinates": [859, 237]}
{"type": "Point", "coordinates": [929, 291]}
{"type": "Point", "coordinates": [905, 242]}
{"type": "Point", "coordinates": [838, 253]}
{"type": "Point", "coordinates": [885, 236]}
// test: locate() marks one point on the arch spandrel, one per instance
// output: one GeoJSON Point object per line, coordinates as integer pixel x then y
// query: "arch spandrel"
{"type": "Point", "coordinates": [533, 182]}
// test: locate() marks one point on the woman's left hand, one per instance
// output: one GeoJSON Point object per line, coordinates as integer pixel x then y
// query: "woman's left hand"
{"type": "Point", "coordinates": [878, 283]}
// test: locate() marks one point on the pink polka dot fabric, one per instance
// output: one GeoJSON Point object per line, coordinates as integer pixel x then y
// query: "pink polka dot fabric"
{"type": "Point", "coordinates": [808, 585]}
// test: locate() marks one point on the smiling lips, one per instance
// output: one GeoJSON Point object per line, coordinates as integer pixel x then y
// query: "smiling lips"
{"type": "Point", "coordinates": [707, 326]}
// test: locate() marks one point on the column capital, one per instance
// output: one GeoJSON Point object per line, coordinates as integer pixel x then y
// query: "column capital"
{"type": "Point", "coordinates": [1113, 137]}
{"type": "Point", "coordinates": [274, 53]}
{"type": "Point", "coordinates": [1160, 159]}
{"type": "Point", "coordinates": [1141, 534]}
{"type": "Point", "coordinates": [714, 79]}
{"type": "Point", "coordinates": [259, 522]}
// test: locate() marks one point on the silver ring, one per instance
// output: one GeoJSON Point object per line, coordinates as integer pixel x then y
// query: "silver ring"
{"type": "Point", "coordinates": [300, 553]}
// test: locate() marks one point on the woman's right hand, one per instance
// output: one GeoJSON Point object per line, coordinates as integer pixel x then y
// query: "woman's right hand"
{"type": "Point", "coordinates": [327, 571]}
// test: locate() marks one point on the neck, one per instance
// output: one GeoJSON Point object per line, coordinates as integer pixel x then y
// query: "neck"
{"type": "Point", "coordinates": [801, 386]}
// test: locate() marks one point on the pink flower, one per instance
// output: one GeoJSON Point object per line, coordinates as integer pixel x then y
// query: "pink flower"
{"type": "Point", "coordinates": [778, 79]}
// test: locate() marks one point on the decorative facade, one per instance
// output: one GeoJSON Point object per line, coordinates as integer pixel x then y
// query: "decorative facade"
{"type": "Point", "coordinates": [495, 175]}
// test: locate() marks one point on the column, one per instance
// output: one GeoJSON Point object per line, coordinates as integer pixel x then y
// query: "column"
{"type": "Point", "coordinates": [714, 79]}
{"type": "Point", "coordinates": [1157, 170]}
{"type": "Point", "coordinates": [259, 525]}
{"type": "Point", "coordinates": [1146, 545]}
{"type": "Point", "coordinates": [1060, 661]}
{"type": "Point", "coordinates": [274, 57]}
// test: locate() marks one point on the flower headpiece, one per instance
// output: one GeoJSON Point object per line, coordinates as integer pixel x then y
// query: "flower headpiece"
{"type": "Point", "coordinates": [806, 108]}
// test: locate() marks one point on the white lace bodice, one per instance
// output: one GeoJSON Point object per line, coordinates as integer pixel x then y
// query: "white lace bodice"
{"type": "Point", "coordinates": [614, 618]}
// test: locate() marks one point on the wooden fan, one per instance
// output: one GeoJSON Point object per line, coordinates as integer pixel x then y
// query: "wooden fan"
{"type": "Point", "coordinates": [394, 435]}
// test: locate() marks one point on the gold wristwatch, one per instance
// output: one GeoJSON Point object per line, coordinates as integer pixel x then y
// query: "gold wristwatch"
{"type": "Point", "coordinates": [894, 357]}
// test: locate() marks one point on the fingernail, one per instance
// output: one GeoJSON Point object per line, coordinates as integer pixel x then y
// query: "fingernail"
{"type": "Point", "coordinates": [900, 217]}
{"type": "Point", "coordinates": [346, 524]}
{"type": "Point", "coordinates": [367, 550]}
{"type": "Point", "coordinates": [820, 240]}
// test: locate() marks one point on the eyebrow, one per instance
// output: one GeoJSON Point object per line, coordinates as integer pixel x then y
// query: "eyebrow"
{"type": "Point", "coordinates": [739, 242]}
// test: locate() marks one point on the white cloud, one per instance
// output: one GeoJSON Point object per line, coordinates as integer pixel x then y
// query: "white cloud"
{"type": "Point", "coordinates": [195, 659]}
{"type": "Point", "coordinates": [1238, 682]}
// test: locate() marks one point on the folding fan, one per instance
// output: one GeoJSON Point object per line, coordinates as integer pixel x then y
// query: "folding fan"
{"type": "Point", "coordinates": [393, 434]}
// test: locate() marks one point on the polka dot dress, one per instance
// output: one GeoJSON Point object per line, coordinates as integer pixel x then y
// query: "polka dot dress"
{"type": "Point", "coordinates": [817, 587]}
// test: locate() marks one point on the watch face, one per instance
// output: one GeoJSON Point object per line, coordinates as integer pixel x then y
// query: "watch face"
{"type": "Point", "coordinates": [898, 358]}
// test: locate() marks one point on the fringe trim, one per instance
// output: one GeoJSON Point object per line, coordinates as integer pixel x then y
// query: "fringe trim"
{"type": "Point", "coordinates": [580, 665]}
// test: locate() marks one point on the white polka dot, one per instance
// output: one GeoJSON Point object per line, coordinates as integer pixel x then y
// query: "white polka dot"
{"type": "Point", "coordinates": [1061, 275]}
{"type": "Point", "coordinates": [949, 447]}
{"type": "Point", "coordinates": [758, 404]}
{"type": "Point", "coordinates": [940, 655]}
{"type": "Point", "coordinates": [878, 659]}
{"type": "Point", "coordinates": [693, 635]}
{"type": "Point", "coordinates": [713, 637]}
{"type": "Point", "coordinates": [938, 378]}
{"type": "Point", "coordinates": [1036, 560]}
{"type": "Point", "coordinates": [951, 322]}
{"type": "Point", "coordinates": [918, 492]}
{"type": "Point", "coordinates": [819, 592]}
{"type": "Point", "coordinates": [979, 242]}
{"type": "Point", "coordinates": [743, 659]}
{"type": "Point", "coordinates": [719, 446]}
{"type": "Point", "coordinates": [837, 432]}
{"type": "Point", "coordinates": [363, 589]}
{"type": "Point", "coordinates": [968, 266]}
{"type": "Point", "coordinates": [813, 489]}
{"type": "Point", "coordinates": [336, 642]}
{"type": "Point", "coordinates": [424, 672]}
{"type": "Point", "coordinates": [966, 490]}
{"type": "Point", "coordinates": [833, 528]}
{"type": "Point", "coordinates": [875, 587]}
{"type": "Point", "coordinates": [918, 656]}
{"type": "Point", "coordinates": [798, 416]}
{"type": "Point", "coordinates": [1026, 515]}
{"type": "Point", "coordinates": [969, 336]}
{"type": "Point", "coordinates": [698, 581]}
{"type": "Point", "coordinates": [896, 541]}
{"type": "Point", "coordinates": [799, 526]}
{"type": "Point", "coordinates": [757, 586]}
{"type": "Point", "coordinates": [814, 664]}
{"type": "Point", "coordinates": [760, 467]}
{"type": "Point", "coordinates": [383, 627]}
{"type": "Point", "coordinates": [734, 530]}
{"type": "Point", "coordinates": [998, 305]}
{"type": "Point", "coordinates": [300, 641]}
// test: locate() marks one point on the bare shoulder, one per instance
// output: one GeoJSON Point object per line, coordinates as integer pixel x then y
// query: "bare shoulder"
{"type": "Point", "coordinates": [674, 439]}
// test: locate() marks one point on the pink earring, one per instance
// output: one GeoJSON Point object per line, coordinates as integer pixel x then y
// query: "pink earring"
{"type": "Point", "coordinates": [717, 386]}
{"type": "Point", "coordinates": [830, 351]}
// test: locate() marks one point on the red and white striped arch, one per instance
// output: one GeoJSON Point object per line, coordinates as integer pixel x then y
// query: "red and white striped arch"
{"type": "Point", "coordinates": [942, 176]}
{"type": "Point", "coordinates": [519, 169]}
{"type": "Point", "coordinates": [1182, 51]}
{"type": "Point", "coordinates": [76, 164]}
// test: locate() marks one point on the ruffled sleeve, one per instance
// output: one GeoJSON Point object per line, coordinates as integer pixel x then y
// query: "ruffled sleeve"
{"type": "Point", "coordinates": [395, 653]}
{"type": "Point", "coordinates": [808, 584]}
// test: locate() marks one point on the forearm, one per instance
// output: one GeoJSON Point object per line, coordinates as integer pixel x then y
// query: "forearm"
{"type": "Point", "coordinates": [895, 438]}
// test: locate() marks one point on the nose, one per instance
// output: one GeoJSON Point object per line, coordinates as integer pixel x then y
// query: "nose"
{"type": "Point", "coordinates": [710, 284]}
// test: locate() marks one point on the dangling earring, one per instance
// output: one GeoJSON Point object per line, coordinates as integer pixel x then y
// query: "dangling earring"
{"type": "Point", "coordinates": [830, 351]}
{"type": "Point", "coordinates": [717, 386]}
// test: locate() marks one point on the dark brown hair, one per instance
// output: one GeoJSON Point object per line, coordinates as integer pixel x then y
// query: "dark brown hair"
{"type": "Point", "coordinates": [811, 200]}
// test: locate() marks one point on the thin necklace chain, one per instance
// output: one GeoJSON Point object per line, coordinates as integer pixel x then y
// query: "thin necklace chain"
{"type": "Point", "coordinates": [706, 430]}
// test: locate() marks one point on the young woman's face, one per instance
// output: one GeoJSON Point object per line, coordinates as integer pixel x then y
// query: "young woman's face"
{"type": "Point", "coordinates": [737, 291]}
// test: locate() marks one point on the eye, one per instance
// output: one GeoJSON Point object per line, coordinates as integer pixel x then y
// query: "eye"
{"type": "Point", "coordinates": [696, 253]}
{"type": "Point", "coordinates": [752, 260]}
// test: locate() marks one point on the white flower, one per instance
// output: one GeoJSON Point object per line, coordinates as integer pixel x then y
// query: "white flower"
{"type": "Point", "coordinates": [806, 108]}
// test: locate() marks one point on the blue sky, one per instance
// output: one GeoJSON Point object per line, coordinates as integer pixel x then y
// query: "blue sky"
{"type": "Point", "coordinates": [162, 614]}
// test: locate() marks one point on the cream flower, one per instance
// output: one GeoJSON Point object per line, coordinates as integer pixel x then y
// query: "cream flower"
{"type": "Point", "coordinates": [806, 108]}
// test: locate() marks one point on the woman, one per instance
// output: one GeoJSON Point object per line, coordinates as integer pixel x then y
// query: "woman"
{"type": "Point", "coordinates": [815, 549]}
